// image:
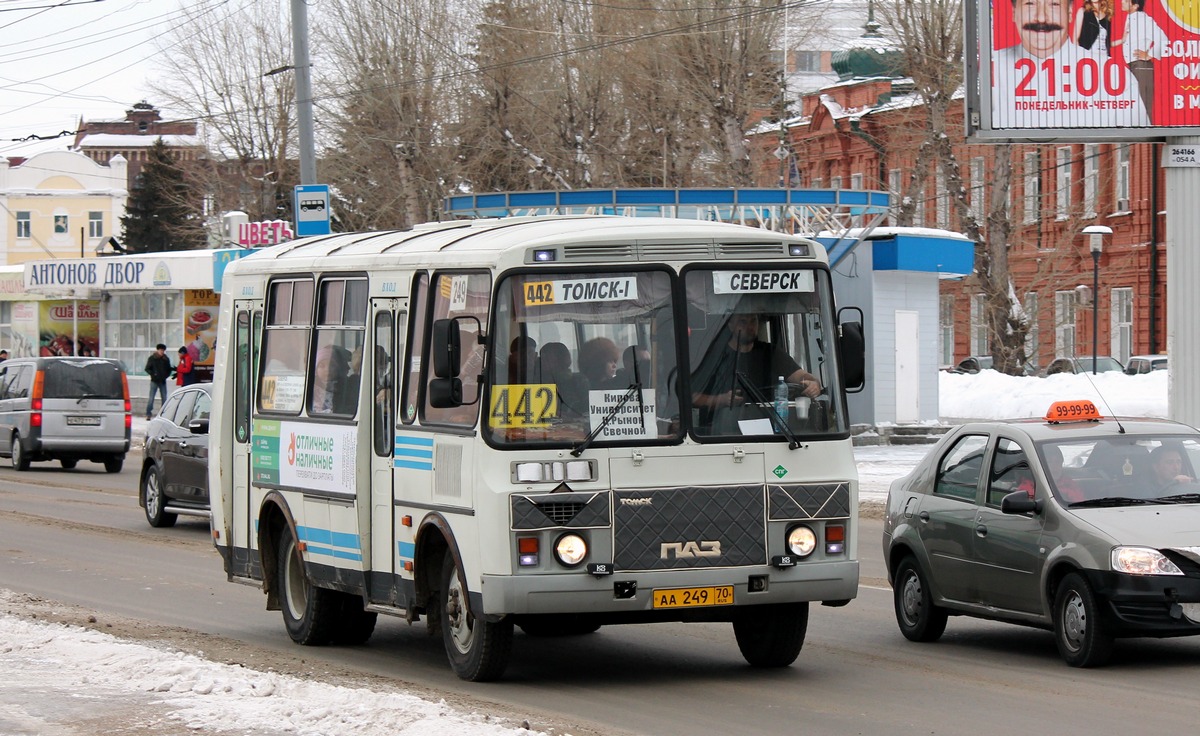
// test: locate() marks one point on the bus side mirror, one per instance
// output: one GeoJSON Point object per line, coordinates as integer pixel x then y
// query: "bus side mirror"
{"type": "Point", "coordinates": [447, 348]}
{"type": "Point", "coordinates": [445, 393]}
{"type": "Point", "coordinates": [853, 349]}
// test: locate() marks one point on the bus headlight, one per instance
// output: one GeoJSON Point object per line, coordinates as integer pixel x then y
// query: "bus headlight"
{"type": "Point", "coordinates": [570, 550]}
{"type": "Point", "coordinates": [1142, 561]}
{"type": "Point", "coordinates": [801, 541]}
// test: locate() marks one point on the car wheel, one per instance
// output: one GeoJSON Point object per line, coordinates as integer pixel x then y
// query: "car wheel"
{"type": "Point", "coordinates": [20, 461]}
{"type": "Point", "coordinates": [68, 463]}
{"type": "Point", "coordinates": [771, 635]}
{"type": "Point", "coordinates": [355, 624]}
{"type": "Point", "coordinates": [114, 464]}
{"type": "Point", "coordinates": [153, 501]}
{"type": "Point", "coordinates": [309, 613]}
{"type": "Point", "coordinates": [919, 619]}
{"type": "Point", "coordinates": [478, 649]}
{"type": "Point", "coordinates": [1082, 638]}
{"type": "Point", "coordinates": [561, 625]}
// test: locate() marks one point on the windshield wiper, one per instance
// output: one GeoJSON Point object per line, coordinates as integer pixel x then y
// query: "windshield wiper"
{"type": "Point", "coordinates": [1113, 501]}
{"type": "Point", "coordinates": [634, 389]}
{"type": "Point", "coordinates": [1181, 498]}
{"type": "Point", "coordinates": [778, 421]}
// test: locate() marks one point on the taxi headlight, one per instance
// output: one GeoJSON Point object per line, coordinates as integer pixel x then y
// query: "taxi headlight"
{"type": "Point", "coordinates": [1142, 561]}
{"type": "Point", "coordinates": [801, 541]}
{"type": "Point", "coordinates": [570, 549]}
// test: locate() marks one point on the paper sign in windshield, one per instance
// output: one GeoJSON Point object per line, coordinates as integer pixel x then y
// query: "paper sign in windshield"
{"type": "Point", "coordinates": [761, 282]}
{"type": "Point", "coordinates": [578, 291]}
{"type": "Point", "coordinates": [633, 421]}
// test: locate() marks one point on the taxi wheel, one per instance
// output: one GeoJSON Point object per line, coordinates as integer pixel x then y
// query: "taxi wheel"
{"type": "Point", "coordinates": [478, 649]}
{"type": "Point", "coordinates": [918, 617]}
{"type": "Point", "coordinates": [771, 635]}
{"type": "Point", "coordinates": [1082, 638]}
{"type": "Point", "coordinates": [309, 613]}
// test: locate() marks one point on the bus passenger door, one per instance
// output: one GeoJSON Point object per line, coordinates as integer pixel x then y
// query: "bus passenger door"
{"type": "Point", "coordinates": [247, 323]}
{"type": "Point", "coordinates": [389, 538]}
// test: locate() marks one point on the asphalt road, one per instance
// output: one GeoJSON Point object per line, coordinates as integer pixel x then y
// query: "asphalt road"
{"type": "Point", "coordinates": [79, 537]}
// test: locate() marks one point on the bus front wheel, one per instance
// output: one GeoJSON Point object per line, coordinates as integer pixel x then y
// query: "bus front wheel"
{"type": "Point", "coordinates": [478, 649]}
{"type": "Point", "coordinates": [771, 635]}
{"type": "Point", "coordinates": [309, 613]}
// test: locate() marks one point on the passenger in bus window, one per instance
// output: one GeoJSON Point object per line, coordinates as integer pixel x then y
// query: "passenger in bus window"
{"type": "Point", "coordinates": [329, 378]}
{"type": "Point", "coordinates": [522, 352]}
{"type": "Point", "coordinates": [598, 360]}
{"type": "Point", "coordinates": [635, 367]}
{"type": "Point", "coordinates": [554, 362]}
{"type": "Point", "coordinates": [740, 351]}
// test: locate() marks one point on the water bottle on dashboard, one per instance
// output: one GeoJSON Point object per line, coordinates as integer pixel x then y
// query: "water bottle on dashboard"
{"type": "Point", "coordinates": [781, 400]}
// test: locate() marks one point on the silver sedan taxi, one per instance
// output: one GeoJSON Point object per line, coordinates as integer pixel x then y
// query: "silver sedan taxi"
{"type": "Point", "coordinates": [1084, 525]}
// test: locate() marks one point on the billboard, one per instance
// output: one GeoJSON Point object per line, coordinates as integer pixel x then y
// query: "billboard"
{"type": "Point", "coordinates": [1083, 69]}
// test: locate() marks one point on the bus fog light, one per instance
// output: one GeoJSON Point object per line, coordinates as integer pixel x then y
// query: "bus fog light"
{"type": "Point", "coordinates": [801, 541]}
{"type": "Point", "coordinates": [570, 550]}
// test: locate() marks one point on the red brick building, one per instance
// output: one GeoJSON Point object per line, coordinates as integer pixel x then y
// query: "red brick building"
{"type": "Point", "coordinates": [133, 136]}
{"type": "Point", "coordinates": [865, 133]}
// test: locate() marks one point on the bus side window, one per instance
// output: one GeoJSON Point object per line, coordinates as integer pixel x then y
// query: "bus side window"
{"type": "Point", "coordinates": [285, 346]}
{"type": "Point", "coordinates": [383, 399]}
{"type": "Point", "coordinates": [416, 347]}
{"type": "Point", "coordinates": [462, 295]}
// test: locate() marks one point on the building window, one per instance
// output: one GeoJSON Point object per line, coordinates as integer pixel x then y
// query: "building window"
{"type": "Point", "coordinates": [977, 193]}
{"type": "Point", "coordinates": [62, 225]}
{"type": "Point", "coordinates": [946, 329]}
{"type": "Point", "coordinates": [1064, 323]}
{"type": "Point", "coordinates": [24, 224]}
{"type": "Point", "coordinates": [818, 183]}
{"type": "Point", "coordinates": [1062, 179]}
{"type": "Point", "coordinates": [806, 61]}
{"type": "Point", "coordinates": [95, 224]}
{"type": "Point", "coordinates": [135, 323]}
{"type": "Point", "coordinates": [1031, 334]}
{"type": "Point", "coordinates": [1121, 340]}
{"type": "Point", "coordinates": [894, 189]}
{"type": "Point", "coordinates": [1122, 178]}
{"type": "Point", "coordinates": [979, 328]}
{"type": "Point", "coordinates": [1033, 186]}
{"type": "Point", "coordinates": [856, 182]}
{"type": "Point", "coordinates": [1091, 178]}
{"type": "Point", "coordinates": [835, 182]}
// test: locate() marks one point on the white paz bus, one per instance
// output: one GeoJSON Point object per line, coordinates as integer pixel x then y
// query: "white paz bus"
{"type": "Point", "coordinates": [553, 423]}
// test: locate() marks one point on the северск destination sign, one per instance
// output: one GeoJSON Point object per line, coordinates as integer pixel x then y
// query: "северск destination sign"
{"type": "Point", "coordinates": [192, 270]}
{"type": "Point", "coordinates": [759, 282]}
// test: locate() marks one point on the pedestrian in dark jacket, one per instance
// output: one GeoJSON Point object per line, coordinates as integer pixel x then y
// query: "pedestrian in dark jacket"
{"type": "Point", "coordinates": [158, 365]}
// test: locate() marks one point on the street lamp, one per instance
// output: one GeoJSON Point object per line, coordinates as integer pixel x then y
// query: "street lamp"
{"type": "Point", "coordinates": [1096, 234]}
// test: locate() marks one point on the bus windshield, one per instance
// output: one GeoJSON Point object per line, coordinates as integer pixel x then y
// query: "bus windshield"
{"type": "Point", "coordinates": [747, 329]}
{"type": "Point", "coordinates": [570, 347]}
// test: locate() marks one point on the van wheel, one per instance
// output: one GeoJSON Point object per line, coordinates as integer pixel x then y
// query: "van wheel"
{"type": "Point", "coordinates": [153, 501]}
{"type": "Point", "coordinates": [309, 613]}
{"type": "Point", "coordinates": [1083, 639]}
{"type": "Point", "coordinates": [20, 461]}
{"type": "Point", "coordinates": [771, 635]}
{"type": "Point", "coordinates": [69, 463]}
{"type": "Point", "coordinates": [478, 649]}
{"type": "Point", "coordinates": [114, 464]}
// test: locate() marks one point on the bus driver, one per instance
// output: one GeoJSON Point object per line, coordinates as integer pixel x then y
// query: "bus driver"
{"type": "Point", "coordinates": [715, 384]}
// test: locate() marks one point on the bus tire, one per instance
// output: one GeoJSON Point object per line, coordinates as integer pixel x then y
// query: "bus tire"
{"type": "Point", "coordinates": [356, 624]}
{"type": "Point", "coordinates": [309, 613]}
{"type": "Point", "coordinates": [771, 635]}
{"type": "Point", "coordinates": [478, 649]}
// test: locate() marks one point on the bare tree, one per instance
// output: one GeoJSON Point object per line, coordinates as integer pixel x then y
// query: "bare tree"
{"type": "Point", "coordinates": [222, 67]}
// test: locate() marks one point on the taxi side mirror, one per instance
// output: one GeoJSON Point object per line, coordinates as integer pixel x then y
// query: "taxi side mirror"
{"type": "Point", "coordinates": [1019, 502]}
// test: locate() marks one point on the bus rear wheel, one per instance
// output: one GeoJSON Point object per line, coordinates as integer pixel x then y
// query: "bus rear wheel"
{"type": "Point", "coordinates": [478, 649]}
{"type": "Point", "coordinates": [309, 613]}
{"type": "Point", "coordinates": [771, 635]}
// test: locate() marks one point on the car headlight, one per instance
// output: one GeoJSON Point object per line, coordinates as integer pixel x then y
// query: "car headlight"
{"type": "Point", "coordinates": [1142, 561]}
{"type": "Point", "coordinates": [801, 541]}
{"type": "Point", "coordinates": [570, 549]}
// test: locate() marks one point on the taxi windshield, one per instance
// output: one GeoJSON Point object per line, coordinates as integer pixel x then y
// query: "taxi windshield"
{"type": "Point", "coordinates": [1125, 470]}
{"type": "Point", "coordinates": [751, 330]}
{"type": "Point", "coordinates": [583, 352]}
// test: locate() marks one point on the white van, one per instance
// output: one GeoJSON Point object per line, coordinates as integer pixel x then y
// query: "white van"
{"type": "Point", "coordinates": [65, 409]}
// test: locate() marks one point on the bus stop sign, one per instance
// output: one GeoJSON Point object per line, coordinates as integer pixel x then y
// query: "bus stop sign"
{"type": "Point", "coordinates": [311, 206]}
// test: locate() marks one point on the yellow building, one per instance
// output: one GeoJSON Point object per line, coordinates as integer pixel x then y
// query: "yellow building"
{"type": "Point", "coordinates": [59, 204]}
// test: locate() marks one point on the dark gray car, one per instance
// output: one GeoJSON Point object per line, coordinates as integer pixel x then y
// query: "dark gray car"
{"type": "Point", "coordinates": [1088, 528]}
{"type": "Point", "coordinates": [174, 477]}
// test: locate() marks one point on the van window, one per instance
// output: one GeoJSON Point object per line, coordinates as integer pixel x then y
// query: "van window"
{"type": "Point", "coordinates": [72, 379]}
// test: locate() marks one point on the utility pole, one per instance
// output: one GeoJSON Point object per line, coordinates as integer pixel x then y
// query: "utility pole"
{"type": "Point", "coordinates": [304, 102]}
